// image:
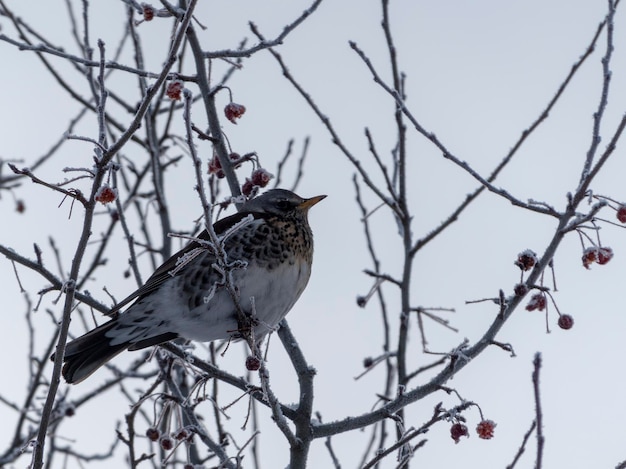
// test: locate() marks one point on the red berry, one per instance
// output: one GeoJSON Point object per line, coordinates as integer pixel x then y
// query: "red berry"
{"type": "Point", "coordinates": [605, 254]}
{"type": "Point", "coordinates": [148, 11]}
{"type": "Point", "coordinates": [621, 213]}
{"type": "Point", "coordinates": [174, 90]}
{"type": "Point", "coordinates": [457, 431]}
{"type": "Point", "coordinates": [368, 361]}
{"type": "Point", "coordinates": [246, 188]}
{"type": "Point", "coordinates": [153, 434]}
{"type": "Point", "coordinates": [590, 255]}
{"type": "Point", "coordinates": [565, 321]}
{"type": "Point", "coordinates": [526, 260]}
{"type": "Point", "coordinates": [520, 289]}
{"type": "Point", "coordinates": [260, 177]}
{"type": "Point", "coordinates": [166, 443]}
{"type": "Point", "coordinates": [253, 363]}
{"type": "Point", "coordinates": [182, 434]}
{"type": "Point", "coordinates": [485, 429]}
{"type": "Point", "coordinates": [537, 301]}
{"type": "Point", "coordinates": [215, 167]}
{"type": "Point", "coordinates": [19, 206]}
{"type": "Point", "coordinates": [106, 194]}
{"type": "Point", "coordinates": [234, 111]}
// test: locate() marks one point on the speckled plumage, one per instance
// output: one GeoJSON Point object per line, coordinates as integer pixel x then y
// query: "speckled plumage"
{"type": "Point", "coordinates": [275, 243]}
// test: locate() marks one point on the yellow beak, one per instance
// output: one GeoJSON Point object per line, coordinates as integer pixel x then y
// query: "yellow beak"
{"type": "Point", "coordinates": [308, 203]}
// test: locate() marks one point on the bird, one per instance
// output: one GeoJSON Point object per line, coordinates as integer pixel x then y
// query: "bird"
{"type": "Point", "coordinates": [269, 245]}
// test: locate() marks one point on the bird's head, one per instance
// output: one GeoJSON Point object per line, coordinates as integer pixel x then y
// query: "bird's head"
{"type": "Point", "coordinates": [281, 202]}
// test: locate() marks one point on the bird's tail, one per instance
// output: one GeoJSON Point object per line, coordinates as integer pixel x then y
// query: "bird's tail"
{"type": "Point", "coordinates": [89, 352]}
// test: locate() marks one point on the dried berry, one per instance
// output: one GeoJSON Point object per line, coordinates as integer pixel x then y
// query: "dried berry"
{"type": "Point", "coordinates": [590, 255]}
{"type": "Point", "coordinates": [166, 443]}
{"type": "Point", "coordinates": [148, 11]}
{"type": "Point", "coordinates": [174, 90]}
{"type": "Point", "coordinates": [368, 361]}
{"type": "Point", "coordinates": [182, 434]}
{"type": "Point", "coordinates": [601, 255]}
{"type": "Point", "coordinates": [485, 429]}
{"type": "Point", "coordinates": [152, 434]}
{"type": "Point", "coordinates": [457, 431]}
{"type": "Point", "coordinates": [215, 167]}
{"type": "Point", "coordinates": [537, 301]}
{"type": "Point", "coordinates": [260, 177]}
{"type": "Point", "coordinates": [253, 363]}
{"type": "Point", "coordinates": [19, 206]}
{"type": "Point", "coordinates": [621, 213]}
{"type": "Point", "coordinates": [70, 411]}
{"type": "Point", "coordinates": [565, 321]}
{"type": "Point", "coordinates": [526, 260]}
{"type": "Point", "coordinates": [234, 111]}
{"type": "Point", "coordinates": [605, 254]}
{"type": "Point", "coordinates": [106, 194]}
{"type": "Point", "coordinates": [520, 289]}
{"type": "Point", "coordinates": [247, 187]}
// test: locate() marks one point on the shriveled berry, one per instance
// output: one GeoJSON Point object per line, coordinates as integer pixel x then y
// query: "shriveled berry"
{"type": "Point", "coordinates": [368, 361]}
{"type": "Point", "coordinates": [106, 194]}
{"type": "Point", "coordinates": [605, 254]}
{"type": "Point", "coordinates": [152, 434]}
{"type": "Point", "coordinates": [215, 167]}
{"type": "Point", "coordinates": [148, 11]}
{"type": "Point", "coordinates": [234, 111]}
{"type": "Point", "coordinates": [19, 206]}
{"type": "Point", "coordinates": [565, 321]}
{"type": "Point", "coordinates": [174, 90]}
{"type": "Point", "coordinates": [247, 187]}
{"type": "Point", "coordinates": [537, 302]}
{"type": "Point", "coordinates": [520, 289]}
{"type": "Point", "coordinates": [260, 177]}
{"type": "Point", "coordinates": [485, 429]}
{"type": "Point", "coordinates": [70, 411]}
{"type": "Point", "coordinates": [590, 255]}
{"type": "Point", "coordinates": [166, 442]}
{"type": "Point", "coordinates": [182, 434]}
{"type": "Point", "coordinates": [526, 260]}
{"type": "Point", "coordinates": [253, 363]}
{"type": "Point", "coordinates": [457, 431]}
{"type": "Point", "coordinates": [621, 213]}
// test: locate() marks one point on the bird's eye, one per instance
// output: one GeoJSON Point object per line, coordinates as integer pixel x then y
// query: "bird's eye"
{"type": "Point", "coordinates": [283, 205]}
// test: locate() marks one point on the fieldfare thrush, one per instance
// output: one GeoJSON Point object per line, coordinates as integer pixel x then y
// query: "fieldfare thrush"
{"type": "Point", "coordinates": [188, 296]}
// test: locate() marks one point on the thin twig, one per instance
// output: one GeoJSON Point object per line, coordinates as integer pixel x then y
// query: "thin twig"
{"type": "Point", "coordinates": [538, 411]}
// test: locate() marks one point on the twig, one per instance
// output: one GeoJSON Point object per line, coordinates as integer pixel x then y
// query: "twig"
{"type": "Point", "coordinates": [264, 44]}
{"type": "Point", "coordinates": [522, 447]}
{"type": "Point", "coordinates": [538, 411]}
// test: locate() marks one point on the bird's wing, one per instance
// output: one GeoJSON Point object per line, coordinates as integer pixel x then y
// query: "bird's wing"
{"type": "Point", "coordinates": [167, 269]}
